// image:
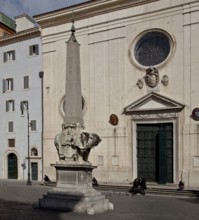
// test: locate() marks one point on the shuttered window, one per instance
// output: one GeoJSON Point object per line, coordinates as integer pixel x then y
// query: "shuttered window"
{"type": "Point", "coordinates": [26, 82]}
{"type": "Point", "coordinates": [33, 125]}
{"type": "Point", "coordinates": [8, 56]}
{"type": "Point", "coordinates": [11, 142]}
{"type": "Point", "coordinates": [34, 50]}
{"type": "Point", "coordinates": [8, 85]}
{"type": "Point", "coordinates": [10, 105]}
{"type": "Point", "coordinates": [10, 126]}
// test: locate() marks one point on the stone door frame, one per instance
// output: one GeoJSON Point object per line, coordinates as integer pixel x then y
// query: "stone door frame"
{"type": "Point", "coordinates": [155, 120]}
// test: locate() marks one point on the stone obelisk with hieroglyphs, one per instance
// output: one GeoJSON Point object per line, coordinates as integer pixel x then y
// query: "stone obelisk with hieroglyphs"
{"type": "Point", "coordinates": [73, 95]}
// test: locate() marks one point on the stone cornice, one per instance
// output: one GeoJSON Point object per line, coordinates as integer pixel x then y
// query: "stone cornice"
{"type": "Point", "coordinates": [85, 10]}
{"type": "Point", "coordinates": [20, 36]}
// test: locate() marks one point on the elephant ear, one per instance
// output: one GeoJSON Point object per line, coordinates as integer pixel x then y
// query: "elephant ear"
{"type": "Point", "coordinates": [96, 139]}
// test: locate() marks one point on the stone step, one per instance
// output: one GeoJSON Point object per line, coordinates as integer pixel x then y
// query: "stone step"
{"type": "Point", "coordinates": [156, 190]}
{"type": "Point", "coordinates": [152, 189]}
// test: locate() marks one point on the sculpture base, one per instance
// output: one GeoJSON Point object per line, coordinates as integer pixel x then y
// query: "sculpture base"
{"type": "Point", "coordinates": [74, 191]}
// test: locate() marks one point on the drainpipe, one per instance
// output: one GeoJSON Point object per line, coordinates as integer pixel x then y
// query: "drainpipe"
{"type": "Point", "coordinates": [41, 74]}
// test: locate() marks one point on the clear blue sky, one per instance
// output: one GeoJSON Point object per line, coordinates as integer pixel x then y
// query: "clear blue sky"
{"type": "Point", "coordinates": [14, 8]}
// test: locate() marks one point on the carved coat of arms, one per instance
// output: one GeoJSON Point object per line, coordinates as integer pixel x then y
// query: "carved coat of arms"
{"type": "Point", "coordinates": [152, 77]}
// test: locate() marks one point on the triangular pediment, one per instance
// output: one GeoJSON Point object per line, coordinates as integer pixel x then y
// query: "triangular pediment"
{"type": "Point", "coordinates": [153, 102]}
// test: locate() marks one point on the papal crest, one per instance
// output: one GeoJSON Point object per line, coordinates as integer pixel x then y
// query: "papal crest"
{"type": "Point", "coordinates": [152, 77]}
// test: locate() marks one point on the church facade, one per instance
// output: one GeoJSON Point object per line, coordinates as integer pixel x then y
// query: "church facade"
{"type": "Point", "coordinates": [139, 73]}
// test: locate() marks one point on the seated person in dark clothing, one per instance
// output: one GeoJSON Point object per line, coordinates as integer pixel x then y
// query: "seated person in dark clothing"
{"type": "Point", "coordinates": [181, 186]}
{"type": "Point", "coordinates": [94, 182]}
{"type": "Point", "coordinates": [46, 178]}
{"type": "Point", "coordinates": [139, 185]}
{"type": "Point", "coordinates": [139, 182]}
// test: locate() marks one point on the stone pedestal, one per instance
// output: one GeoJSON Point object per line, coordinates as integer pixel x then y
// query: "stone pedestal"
{"type": "Point", "coordinates": [74, 191]}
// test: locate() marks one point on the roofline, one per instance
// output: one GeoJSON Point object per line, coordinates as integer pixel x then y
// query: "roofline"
{"type": "Point", "coordinates": [85, 10]}
{"type": "Point", "coordinates": [30, 33]}
{"type": "Point", "coordinates": [68, 7]}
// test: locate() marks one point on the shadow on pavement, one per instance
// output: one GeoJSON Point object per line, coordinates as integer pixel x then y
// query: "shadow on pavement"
{"type": "Point", "coordinates": [22, 211]}
{"type": "Point", "coordinates": [190, 200]}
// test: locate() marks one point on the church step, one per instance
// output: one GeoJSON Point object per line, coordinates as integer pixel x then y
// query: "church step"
{"type": "Point", "coordinates": [156, 190]}
{"type": "Point", "coordinates": [152, 189]}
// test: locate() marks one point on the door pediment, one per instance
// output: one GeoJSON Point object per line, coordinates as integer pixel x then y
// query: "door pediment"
{"type": "Point", "coordinates": [153, 103]}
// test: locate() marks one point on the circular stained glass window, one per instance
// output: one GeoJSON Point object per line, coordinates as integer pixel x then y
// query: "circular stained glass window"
{"type": "Point", "coordinates": [152, 48]}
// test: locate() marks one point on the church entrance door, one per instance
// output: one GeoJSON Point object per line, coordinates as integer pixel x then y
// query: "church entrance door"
{"type": "Point", "coordinates": [155, 152]}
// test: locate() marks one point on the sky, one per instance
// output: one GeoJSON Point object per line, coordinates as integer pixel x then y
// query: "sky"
{"type": "Point", "coordinates": [13, 8]}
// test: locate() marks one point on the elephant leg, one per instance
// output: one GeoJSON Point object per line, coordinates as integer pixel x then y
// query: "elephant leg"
{"type": "Point", "coordinates": [86, 154]}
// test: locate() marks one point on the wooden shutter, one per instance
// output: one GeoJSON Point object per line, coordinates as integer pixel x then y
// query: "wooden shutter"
{"type": "Point", "coordinates": [13, 105]}
{"type": "Point", "coordinates": [4, 57]}
{"type": "Point", "coordinates": [37, 49]}
{"type": "Point", "coordinates": [13, 54]}
{"type": "Point", "coordinates": [33, 125]}
{"type": "Point", "coordinates": [12, 84]}
{"type": "Point", "coordinates": [7, 106]}
{"type": "Point", "coordinates": [10, 126]}
{"type": "Point", "coordinates": [11, 142]}
{"type": "Point", "coordinates": [4, 85]}
{"type": "Point", "coordinates": [30, 50]}
{"type": "Point", "coordinates": [26, 82]}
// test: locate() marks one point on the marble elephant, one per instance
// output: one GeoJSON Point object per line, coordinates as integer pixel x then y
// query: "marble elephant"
{"type": "Point", "coordinates": [73, 149]}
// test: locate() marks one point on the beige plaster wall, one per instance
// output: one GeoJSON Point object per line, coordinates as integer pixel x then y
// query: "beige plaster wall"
{"type": "Point", "coordinates": [109, 79]}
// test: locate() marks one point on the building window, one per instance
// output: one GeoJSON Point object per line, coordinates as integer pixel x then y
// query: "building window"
{"type": "Point", "coordinates": [26, 82]}
{"type": "Point", "coordinates": [10, 126]}
{"type": "Point", "coordinates": [34, 152]}
{"type": "Point", "coordinates": [8, 56]}
{"type": "Point", "coordinates": [23, 107]}
{"type": "Point", "coordinates": [23, 103]}
{"type": "Point", "coordinates": [151, 48]}
{"type": "Point", "coordinates": [8, 85]}
{"type": "Point", "coordinates": [34, 50]}
{"type": "Point", "coordinates": [10, 105]}
{"type": "Point", "coordinates": [33, 125]}
{"type": "Point", "coordinates": [11, 142]}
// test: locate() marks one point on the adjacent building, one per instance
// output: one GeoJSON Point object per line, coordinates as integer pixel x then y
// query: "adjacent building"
{"type": "Point", "coordinates": [139, 68]}
{"type": "Point", "coordinates": [20, 95]}
{"type": "Point", "coordinates": [7, 25]}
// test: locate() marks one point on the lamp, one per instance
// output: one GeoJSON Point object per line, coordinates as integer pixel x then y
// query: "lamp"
{"type": "Point", "coordinates": [24, 107]}
{"type": "Point", "coordinates": [41, 76]}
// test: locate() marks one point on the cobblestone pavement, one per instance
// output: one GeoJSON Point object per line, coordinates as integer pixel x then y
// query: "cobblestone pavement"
{"type": "Point", "coordinates": [16, 204]}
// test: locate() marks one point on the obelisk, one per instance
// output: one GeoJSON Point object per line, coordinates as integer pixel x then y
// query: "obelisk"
{"type": "Point", "coordinates": [73, 95]}
{"type": "Point", "coordinates": [73, 191]}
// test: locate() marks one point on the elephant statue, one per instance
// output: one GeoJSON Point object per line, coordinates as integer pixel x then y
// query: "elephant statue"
{"type": "Point", "coordinates": [75, 144]}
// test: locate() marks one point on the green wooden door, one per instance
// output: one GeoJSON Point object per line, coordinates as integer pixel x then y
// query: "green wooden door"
{"type": "Point", "coordinates": [155, 152]}
{"type": "Point", "coordinates": [34, 171]}
{"type": "Point", "coordinates": [12, 166]}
